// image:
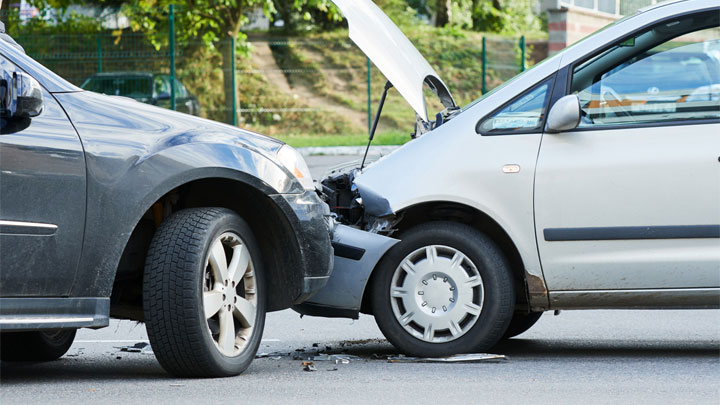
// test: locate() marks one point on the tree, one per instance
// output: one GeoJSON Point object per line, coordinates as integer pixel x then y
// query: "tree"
{"type": "Point", "coordinates": [216, 23]}
{"type": "Point", "coordinates": [213, 23]}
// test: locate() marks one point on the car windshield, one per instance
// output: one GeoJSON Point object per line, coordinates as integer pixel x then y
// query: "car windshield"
{"type": "Point", "coordinates": [137, 87]}
{"type": "Point", "coordinates": [579, 43]}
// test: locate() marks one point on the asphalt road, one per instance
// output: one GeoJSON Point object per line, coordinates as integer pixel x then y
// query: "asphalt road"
{"type": "Point", "coordinates": [588, 356]}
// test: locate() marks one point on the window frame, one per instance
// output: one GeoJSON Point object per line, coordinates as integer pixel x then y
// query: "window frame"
{"type": "Point", "coordinates": [570, 68]}
{"type": "Point", "coordinates": [551, 80]}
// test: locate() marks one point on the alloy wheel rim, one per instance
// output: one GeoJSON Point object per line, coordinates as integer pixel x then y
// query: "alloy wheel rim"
{"type": "Point", "coordinates": [229, 294]}
{"type": "Point", "coordinates": [437, 294]}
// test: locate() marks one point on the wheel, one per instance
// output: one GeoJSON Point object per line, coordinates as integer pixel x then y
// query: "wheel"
{"type": "Point", "coordinates": [521, 322]}
{"type": "Point", "coordinates": [35, 346]}
{"type": "Point", "coordinates": [444, 289]}
{"type": "Point", "coordinates": [203, 293]}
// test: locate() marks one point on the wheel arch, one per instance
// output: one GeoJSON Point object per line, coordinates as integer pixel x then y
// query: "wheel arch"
{"type": "Point", "coordinates": [241, 193]}
{"type": "Point", "coordinates": [530, 285]}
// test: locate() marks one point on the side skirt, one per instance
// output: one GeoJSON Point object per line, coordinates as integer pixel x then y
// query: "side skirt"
{"type": "Point", "coordinates": [667, 298]}
{"type": "Point", "coordinates": [27, 314]}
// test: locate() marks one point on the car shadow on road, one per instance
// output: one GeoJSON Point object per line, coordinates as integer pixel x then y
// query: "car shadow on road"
{"type": "Point", "coordinates": [75, 369]}
{"type": "Point", "coordinates": [546, 349]}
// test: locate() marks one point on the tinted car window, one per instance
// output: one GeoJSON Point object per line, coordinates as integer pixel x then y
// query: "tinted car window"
{"type": "Point", "coordinates": [524, 114]}
{"type": "Point", "coordinates": [137, 87]}
{"type": "Point", "coordinates": [678, 79]}
{"type": "Point", "coordinates": [161, 85]}
{"type": "Point", "coordinates": [180, 90]}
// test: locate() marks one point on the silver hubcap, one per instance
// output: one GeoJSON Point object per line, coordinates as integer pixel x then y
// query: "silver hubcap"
{"type": "Point", "coordinates": [437, 294]}
{"type": "Point", "coordinates": [229, 295]}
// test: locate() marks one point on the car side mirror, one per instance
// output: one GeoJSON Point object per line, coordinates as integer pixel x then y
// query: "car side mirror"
{"type": "Point", "coordinates": [564, 115]}
{"type": "Point", "coordinates": [20, 95]}
{"type": "Point", "coordinates": [163, 96]}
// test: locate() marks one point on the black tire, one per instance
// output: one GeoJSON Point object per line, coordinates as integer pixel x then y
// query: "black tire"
{"type": "Point", "coordinates": [35, 346]}
{"type": "Point", "coordinates": [173, 287]}
{"type": "Point", "coordinates": [521, 322]}
{"type": "Point", "coordinates": [498, 291]}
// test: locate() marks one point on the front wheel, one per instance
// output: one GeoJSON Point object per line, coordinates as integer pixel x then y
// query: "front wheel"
{"type": "Point", "coordinates": [35, 346]}
{"type": "Point", "coordinates": [446, 288]}
{"type": "Point", "coordinates": [203, 291]}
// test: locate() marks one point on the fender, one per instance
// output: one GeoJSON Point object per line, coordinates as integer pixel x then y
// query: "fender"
{"type": "Point", "coordinates": [451, 164]}
{"type": "Point", "coordinates": [168, 152]}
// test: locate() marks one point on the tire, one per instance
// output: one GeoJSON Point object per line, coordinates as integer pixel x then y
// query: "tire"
{"type": "Point", "coordinates": [521, 322]}
{"type": "Point", "coordinates": [35, 346]}
{"type": "Point", "coordinates": [460, 304]}
{"type": "Point", "coordinates": [185, 278]}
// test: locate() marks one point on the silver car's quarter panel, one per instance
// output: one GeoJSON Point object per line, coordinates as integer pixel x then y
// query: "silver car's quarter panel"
{"type": "Point", "coordinates": [356, 255]}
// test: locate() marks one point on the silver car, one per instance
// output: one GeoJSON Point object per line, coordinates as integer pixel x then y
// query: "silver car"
{"type": "Point", "coordinates": [590, 181]}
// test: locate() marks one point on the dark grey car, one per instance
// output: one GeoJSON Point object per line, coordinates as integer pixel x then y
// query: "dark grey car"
{"type": "Point", "coordinates": [145, 87]}
{"type": "Point", "coordinates": [114, 208]}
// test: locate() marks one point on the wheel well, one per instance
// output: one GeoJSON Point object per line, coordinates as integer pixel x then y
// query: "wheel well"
{"type": "Point", "coordinates": [267, 221]}
{"type": "Point", "coordinates": [449, 211]}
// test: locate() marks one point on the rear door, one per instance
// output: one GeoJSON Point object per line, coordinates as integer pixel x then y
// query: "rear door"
{"type": "Point", "coordinates": [42, 202]}
{"type": "Point", "coordinates": [630, 200]}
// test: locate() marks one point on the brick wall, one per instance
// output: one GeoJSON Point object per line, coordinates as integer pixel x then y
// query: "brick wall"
{"type": "Point", "coordinates": [567, 25]}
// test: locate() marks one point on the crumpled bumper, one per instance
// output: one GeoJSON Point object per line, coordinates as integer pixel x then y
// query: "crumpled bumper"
{"type": "Point", "coordinates": [356, 255]}
{"type": "Point", "coordinates": [313, 226]}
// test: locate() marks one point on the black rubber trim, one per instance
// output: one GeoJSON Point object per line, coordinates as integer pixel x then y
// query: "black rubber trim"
{"type": "Point", "coordinates": [311, 309]}
{"type": "Point", "coordinates": [633, 232]}
{"type": "Point", "coordinates": [348, 252]}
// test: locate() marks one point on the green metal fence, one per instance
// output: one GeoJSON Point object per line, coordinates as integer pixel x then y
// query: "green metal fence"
{"type": "Point", "coordinates": [322, 82]}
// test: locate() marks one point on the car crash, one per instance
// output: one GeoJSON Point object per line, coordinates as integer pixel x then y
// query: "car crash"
{"type": "Point", "coordinates": [590, 181]}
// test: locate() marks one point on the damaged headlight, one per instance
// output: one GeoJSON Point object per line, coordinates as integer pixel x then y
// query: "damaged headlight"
{"type": "Point", "coordinates": [295, 163]}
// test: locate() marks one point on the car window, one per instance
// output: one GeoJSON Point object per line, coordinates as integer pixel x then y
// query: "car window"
{"type": "Point", "coordinates": [161, 85]}
{"type": "Point", "coordinates": [524, 114]}
{"type": "Point", "coordinates": [180, 90]}
{"type": "Point", "coordinates": [670, 72]}
{"type": "Point", "coordinates": [137, 87]}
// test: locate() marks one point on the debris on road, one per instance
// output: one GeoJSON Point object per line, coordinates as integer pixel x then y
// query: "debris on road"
{"type": "Point", "coordinates": [459, 358]}
{"type": "Point", "coordinates": [337, 358]}
{"type": "Point", "coordinates": [141, 347]}
{"type": "Point", "coordinates": [309, 366]}
{"type": "Point", "coordinates": [272, 355]}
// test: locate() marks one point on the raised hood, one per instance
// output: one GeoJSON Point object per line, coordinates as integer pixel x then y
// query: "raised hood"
{"type": "Point", "coordinates": [396, 57]}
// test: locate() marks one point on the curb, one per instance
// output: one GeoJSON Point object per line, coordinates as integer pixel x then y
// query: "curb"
{"type": "Point", "coordinates": [346, 150]}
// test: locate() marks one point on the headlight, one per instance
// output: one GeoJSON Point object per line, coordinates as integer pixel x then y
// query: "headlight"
{"type": "Point", "coordinates": [294, 162]}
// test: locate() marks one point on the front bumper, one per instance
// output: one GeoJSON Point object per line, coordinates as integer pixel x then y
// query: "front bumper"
{"type": "Point", "coordinates": [313, 226]}
{"type": "Point", "coordinates": [356, 256]}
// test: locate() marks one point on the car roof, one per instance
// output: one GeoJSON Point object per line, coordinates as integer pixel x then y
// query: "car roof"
{"type": "Point", "coordinates": [129, 73]}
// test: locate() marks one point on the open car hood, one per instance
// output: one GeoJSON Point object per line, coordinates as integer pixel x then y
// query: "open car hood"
{"type": "Point", "coordinates": [396, 57]}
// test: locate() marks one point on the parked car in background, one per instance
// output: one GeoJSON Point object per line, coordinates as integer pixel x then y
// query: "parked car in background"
{"type": "Point", "coordinates": [147, 88]}
{"type": "Point", "coordinates": [114, 208]}
{"type": "Point", "coordinates": [590, 181]}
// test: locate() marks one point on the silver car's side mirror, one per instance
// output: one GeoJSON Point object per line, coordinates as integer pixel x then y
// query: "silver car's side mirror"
{"type": "Point", "coordinates": [21, 95]}
{"type": "Point", "coordinates": [564, 115]}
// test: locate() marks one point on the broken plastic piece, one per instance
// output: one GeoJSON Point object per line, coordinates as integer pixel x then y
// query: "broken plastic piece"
{"type": "Point", "coordinates": [309, 366]}
{"type": "Point", "coordinates": [459, 358]}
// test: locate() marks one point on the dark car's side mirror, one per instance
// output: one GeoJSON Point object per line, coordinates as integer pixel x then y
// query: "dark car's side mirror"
{"type": "Point", "coordinates": [564, 115]}
{"type": "Point", "coordinates": [163, 96]}
{"type": "Point", "coordinates": [20, 95]}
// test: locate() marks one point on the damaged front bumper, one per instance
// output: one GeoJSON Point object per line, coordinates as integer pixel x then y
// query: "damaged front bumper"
{"type": "Point", "coordinates": [357, 253]}
{"type": "Point", "coordinates": [313, 226]}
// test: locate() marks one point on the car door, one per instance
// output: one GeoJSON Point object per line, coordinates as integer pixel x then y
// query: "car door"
{"type": "Point", "coordinates": [630, 199]}
{"type": "Point", "coordinates": [42, 202]}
